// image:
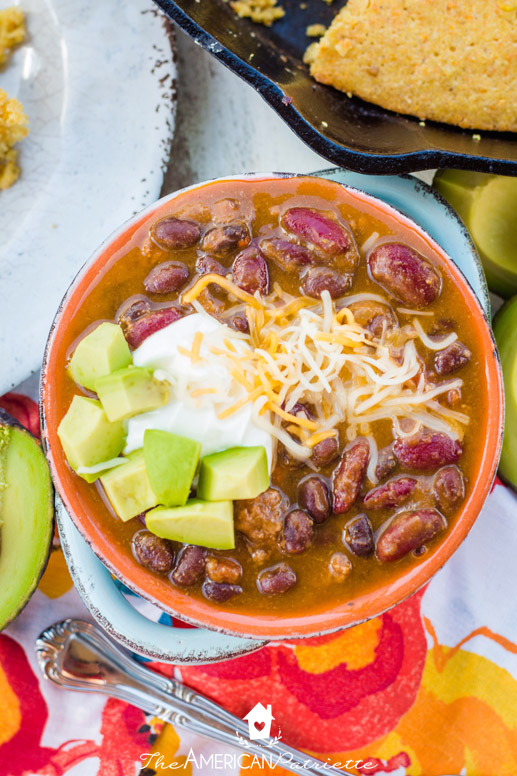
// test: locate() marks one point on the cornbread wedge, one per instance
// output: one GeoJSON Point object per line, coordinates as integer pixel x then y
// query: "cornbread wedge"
{"type": "Point", "coordinates": [447, 60]}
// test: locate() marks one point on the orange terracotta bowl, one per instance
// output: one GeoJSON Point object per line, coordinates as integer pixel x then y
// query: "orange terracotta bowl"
{"type": "Point", "coordinates": [75, 495]}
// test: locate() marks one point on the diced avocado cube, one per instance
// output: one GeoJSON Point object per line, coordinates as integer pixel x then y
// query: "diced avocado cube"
{"type": "Point", "coordinates": [205, 523]}
{"type": "Point", "coordinates": [171, 463]}
{"type": "Point", "coordinates": [128, 487]}
{"type": "Point", "coordinates": [237, 473]}
{"type": "Point", "coordinates": [88, 437]}
{"type": "Point", "coordinates": [102, 351]}
{"type": "Point", "coordinates": [130, 391]}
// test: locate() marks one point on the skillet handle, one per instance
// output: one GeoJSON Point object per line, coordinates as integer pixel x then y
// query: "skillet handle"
{"type": "Point", "coordinates": [113, 612]}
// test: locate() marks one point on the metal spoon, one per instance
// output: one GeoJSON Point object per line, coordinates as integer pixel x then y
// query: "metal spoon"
{"type": "Point", "coordinates": [77, 655]}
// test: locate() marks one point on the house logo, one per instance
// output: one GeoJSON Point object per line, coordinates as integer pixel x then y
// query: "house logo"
{"type": "Point", "coordinates": [259, 722]}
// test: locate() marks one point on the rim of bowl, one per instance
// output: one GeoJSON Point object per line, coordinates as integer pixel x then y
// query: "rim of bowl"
{"type": "Point", "coordinates": [259, 626]}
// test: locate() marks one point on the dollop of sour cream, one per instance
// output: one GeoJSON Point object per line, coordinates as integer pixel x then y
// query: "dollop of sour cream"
{"type": "Point", "coordinates": [201, 388]}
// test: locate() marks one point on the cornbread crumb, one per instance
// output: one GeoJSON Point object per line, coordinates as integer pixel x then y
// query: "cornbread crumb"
{"type": "Point", "coordinates": [315, 30]}
{"type": "Point", "coordinates": [260, 11]}
{"type": "Point", "coordinates": [13, 128]}
{"type": "Point", "coordinates": [446, 60]}
{"type": "Point", "coordinates": [12, 31]}
{"type": "Point", "coordinates": [310, 53]}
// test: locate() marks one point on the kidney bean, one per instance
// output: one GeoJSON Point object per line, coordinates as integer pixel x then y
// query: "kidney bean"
{"type": "Point", "coordinates": [448, 487]}
{"type": "Point", "coordinates": [404, 274]}
{"type": "Point", "coordinates": [173, 233]}
{"type": "Point", "coordinates": [223, 570]}
{"type": "Point", "coordinates": [239, 322]}
{"type": "Point", "coordinates": [166, 278]}
{"type": "Point", "coordinates": [374, 316]}
{"type": "Point", "coordinates": [297, 533]}
{"type": "Point", "coordinates": [220, 591]}
{"type": "Point", "coordinates": [314, 497]}
{"type": "Point", "coordinates": [276, 579]}
{"type": "Point", "coordinates": [391, 494]}
{"type": "Point", "coordinates": [325, 452]}
{"type": "Point", "coordinates": [206, 265]}
{"type": "Point", "coordinates": [190, 566]}
{"type": "Point", "coordinates": [441, 327]}
{"type": "Point", "coordinates": [451, 358]}
{"type": "Point", "coordinates": [300, 410]}
{"type": "Point", "coordinates": [349, 474]}
{"type": "Point", "coordinates": [132, 309]}
{"type": "Point", "coordinates": [222, 240]}
{"type": "Point", "coordinates": [386, 462]}
{"type": "Point", "coordinates": [427, 450]}
{"type": "Point", "coordinates": [154, 553]}
{"type": "Point", "coordinates": [326, 234]}
{"type": "Point", "coordinates": [250, 271]}
{"type": "Point", "coordinates": [340, 566]}
{"type": "Point", "coordinates": [358, 535]}
{"type": "Point", "coordinates": [137, 331]}
{"type": "Point", "coordinates": [408, 531]}
{"type": "Point", "coordinates": [318, 279]}
{"type": "Point", "coordinates": [288, 255]}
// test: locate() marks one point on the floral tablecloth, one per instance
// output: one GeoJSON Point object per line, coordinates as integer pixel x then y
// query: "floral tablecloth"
{"type": "Point", "coordinates": [426, 689]}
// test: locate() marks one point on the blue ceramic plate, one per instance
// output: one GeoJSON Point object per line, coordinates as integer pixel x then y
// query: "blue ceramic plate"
{"type": "Point", "coordinates": [102, 593]}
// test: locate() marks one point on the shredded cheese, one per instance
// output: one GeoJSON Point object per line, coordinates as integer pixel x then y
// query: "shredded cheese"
{"type": "Point", "coordinates": [314, 352]}
{"type": "Point", "coordinates": [434, 344]}
{"type": "Point", "coordinates": [206, 280]}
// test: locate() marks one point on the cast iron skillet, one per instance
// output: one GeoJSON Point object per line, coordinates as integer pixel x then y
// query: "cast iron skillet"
{"type": "Point", "coordinates": [348, 132]}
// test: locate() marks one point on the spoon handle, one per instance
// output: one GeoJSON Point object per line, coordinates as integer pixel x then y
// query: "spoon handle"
{"type": "Point", "coordinates": [77, 655]}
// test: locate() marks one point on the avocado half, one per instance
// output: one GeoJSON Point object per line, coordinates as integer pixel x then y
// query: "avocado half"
{"type": "Point", "coordinates": [26, 516]}
{"type": "Point", "coordinates": [487, 205]}
{"type": "Point", "coordinates": [505, 332]}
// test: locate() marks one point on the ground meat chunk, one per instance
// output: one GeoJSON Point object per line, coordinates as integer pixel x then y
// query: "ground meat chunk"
{"type": "Point", "coordinates": [340, 566]}
{"type": "Point", "coordinates": [260, 519]}
{"type": "Point", "coordinates": [224, 570]}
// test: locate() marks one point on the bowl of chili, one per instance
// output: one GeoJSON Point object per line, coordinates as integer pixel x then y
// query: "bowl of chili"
{"type": "Point", "coordinates": [375, 482]}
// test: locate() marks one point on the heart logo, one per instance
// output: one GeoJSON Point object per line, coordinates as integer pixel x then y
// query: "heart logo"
{"type": "Point", "coordinates": [260, 726]}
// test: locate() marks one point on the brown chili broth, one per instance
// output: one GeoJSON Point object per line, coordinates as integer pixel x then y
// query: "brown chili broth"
{"type": "Point", "coordinates": [123, 277]}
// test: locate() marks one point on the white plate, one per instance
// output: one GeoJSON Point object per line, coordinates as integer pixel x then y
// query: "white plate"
{"type": "Point", "coordinates": [97, 81]}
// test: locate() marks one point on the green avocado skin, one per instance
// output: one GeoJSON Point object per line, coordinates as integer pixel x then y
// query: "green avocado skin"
{"type": "Point", "coordinates": [505, 331]}
{"type": "Point", "coordinates": [485, 203]}
{"type": "Point", "coordinates": [26, 516]}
